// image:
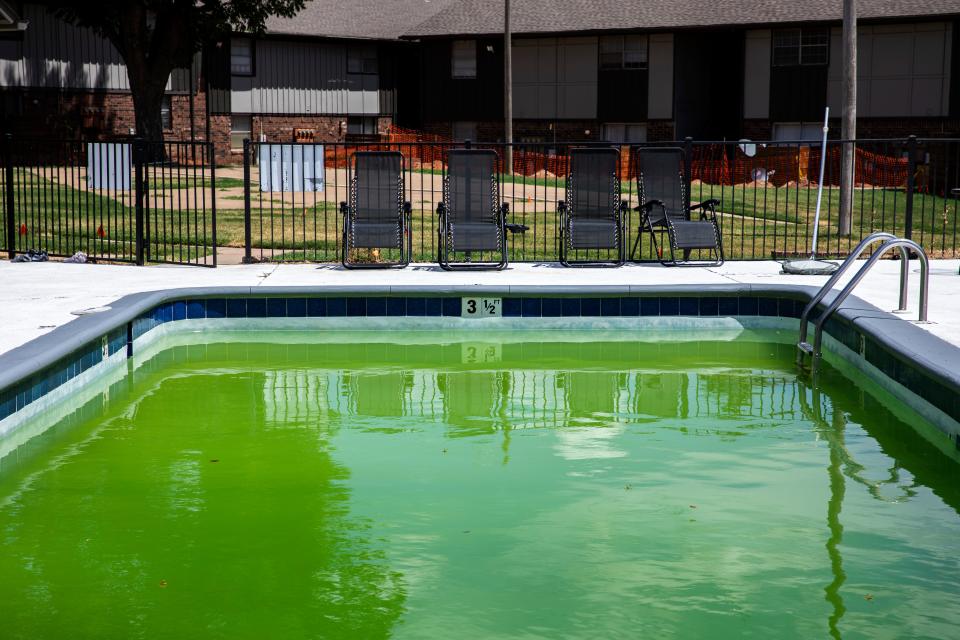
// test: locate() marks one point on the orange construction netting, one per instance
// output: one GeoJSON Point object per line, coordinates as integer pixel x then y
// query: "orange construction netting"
{"type": "Point", "coordinates": [725, 164]}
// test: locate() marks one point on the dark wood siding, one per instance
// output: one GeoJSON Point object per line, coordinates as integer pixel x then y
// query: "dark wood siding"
{"type": "Point", "coordinates": [955, 71]}
{"type": "Point", "coordinates": [708, 84]}
{"type": "Point", "coordinates": [622, 95]}
{"type": "Point", "coordinates": [388, 59]}
{"type": "Point", "coordinates": [447, 99]}
{"type": "Point", "coordinates": [408, 78]}
{"type": "Point", "coordinates": [797, 94]}
{"type": "Point", "coordinates": [216, 70]}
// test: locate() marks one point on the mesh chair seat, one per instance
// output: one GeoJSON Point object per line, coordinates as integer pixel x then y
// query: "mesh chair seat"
{"type": "Point", "coordinates": [472, 216]}
{"type": "Point", "coordinates": [663, 199]}
{"type": "Point", "coordinates": [375, 235]}
{"type": "Point", "coordinates": [694, 235]}
{"type": "Point", "coordinates": [475, 236]}
{"type": "Point", "coordinates": [594, 234]}
{"type": "Point", "coordinates": [375, 214]}
{"type": "Point", "coordinates": [591, 214]}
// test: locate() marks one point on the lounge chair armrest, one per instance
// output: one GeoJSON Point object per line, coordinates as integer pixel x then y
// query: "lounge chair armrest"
{"type": "Point", "coordinates": [407, 207]}
{"type": "Point", "coordinates": [707, 208]}
{"type": "Point", "coordinates": [441, 208]}
{"type": "Point", "coordinates": [513, 227]}
{"type": "Point", "coordinates": [561, 205]}
{"type": "Point", "coordinates": [344, 208]}
{"type": "Point", "coordinates": [624, 206]}
{"type": "Point", "coordinates": [648, 205]}
{"type": "Point", "coordinates": [711, 203]}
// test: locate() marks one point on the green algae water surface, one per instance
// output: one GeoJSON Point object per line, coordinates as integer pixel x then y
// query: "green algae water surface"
{"type": "Point", "coordinates": [421, 486]}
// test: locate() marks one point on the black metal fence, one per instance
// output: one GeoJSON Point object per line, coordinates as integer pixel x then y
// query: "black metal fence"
{"type": "Point", "coordinates": [134, 201]}
{"type": "Point", "coordinates": [117, 200]}
{"type": "Point", "coordinates": [767, 193]}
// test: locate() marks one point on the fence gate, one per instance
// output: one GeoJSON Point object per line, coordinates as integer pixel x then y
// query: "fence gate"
{"type": "Point", "coordinates": [118, 200]}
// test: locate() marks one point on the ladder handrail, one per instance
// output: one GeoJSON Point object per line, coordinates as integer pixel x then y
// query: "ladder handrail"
{"type": "Point", "coordinates": [897, 243]}
{"type": "Point", "coordinates": [850, 259]}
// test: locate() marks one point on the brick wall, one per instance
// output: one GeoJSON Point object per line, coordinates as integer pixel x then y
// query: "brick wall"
{"type": "Point", "coordinates": [660, 130]}
{"type": "Point", "coordinates": [220, 136]}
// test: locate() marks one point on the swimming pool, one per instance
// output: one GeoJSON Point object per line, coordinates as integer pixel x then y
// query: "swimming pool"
{"type": "Point", "coordinates": [628, 480]}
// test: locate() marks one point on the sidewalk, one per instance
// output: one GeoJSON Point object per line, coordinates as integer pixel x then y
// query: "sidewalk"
{"type": "Point", "coordinates": [38, 297]}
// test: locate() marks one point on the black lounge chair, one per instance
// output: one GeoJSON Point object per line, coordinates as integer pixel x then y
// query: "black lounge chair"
{"type": "Point", "coordinates": [591, 216]}
{"type": "Point", "coordinates": [472, 219]}
{"type": "Point", "coordinates": [662, 186]}
{"type": "Point", "coordinates": [376, 216]}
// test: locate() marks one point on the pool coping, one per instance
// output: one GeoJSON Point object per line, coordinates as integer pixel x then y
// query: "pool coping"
{"type": "Point", "coordinates": [897, 348]}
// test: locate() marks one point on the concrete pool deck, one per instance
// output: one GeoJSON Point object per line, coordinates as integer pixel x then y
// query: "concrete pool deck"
{"type": "Point", "coordinates": [39, 297]}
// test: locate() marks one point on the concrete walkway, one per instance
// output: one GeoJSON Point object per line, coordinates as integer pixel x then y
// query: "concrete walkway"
{"type": "Point", "coordinates": [37, 297]}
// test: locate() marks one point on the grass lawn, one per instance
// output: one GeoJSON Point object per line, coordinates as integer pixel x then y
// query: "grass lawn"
{"type": "Point", "coordinates": [755, 222]}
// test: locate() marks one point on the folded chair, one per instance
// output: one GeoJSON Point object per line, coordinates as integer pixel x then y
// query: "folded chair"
{"type": "Point", "coordinates": [376, 216]}
{"type": "Point", "coordinates": [591, 216]}
{"type": "Point", "coordinates": [662, 186]}
{"type": "Point", "coordinates": [472, 219]}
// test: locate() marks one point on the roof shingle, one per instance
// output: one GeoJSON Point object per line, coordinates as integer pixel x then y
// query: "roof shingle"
{"type": "Point", "coordinates": [376, 19]}
{"type": "Point", "coordinates": [463, 17]}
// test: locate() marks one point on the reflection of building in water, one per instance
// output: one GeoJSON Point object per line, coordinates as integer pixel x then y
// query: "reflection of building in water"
{"type": "Point", "coordinates": [526, 398]}
{"type": "Point", "coordinates": [297, 397]}
{"type": "Point", "coordinates": [305, 396]}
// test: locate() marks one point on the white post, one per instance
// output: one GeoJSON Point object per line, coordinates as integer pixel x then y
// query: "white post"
{"type": "Point", "coordinates": [823, 166]}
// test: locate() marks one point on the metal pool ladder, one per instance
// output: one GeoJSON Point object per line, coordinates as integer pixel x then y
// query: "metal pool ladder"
{"type": "Point", "coordinates": [890, 241]}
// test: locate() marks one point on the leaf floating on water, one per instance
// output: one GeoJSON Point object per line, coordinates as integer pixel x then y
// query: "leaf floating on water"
{"type": "Point", "coordinates": [693, 506]}
{"type": "Point", "coordinates": [444, 450]}
{"type": "Point", "coordinates": [627, 487]}
{"type": "Point", "coordinates": [163, 584]}
{"type": "Point", "coordinates": [466, 530]}
{"type": "Point", "coordinates": [215, 460]}
{"type": "Point", "coordinates": [868, 597]}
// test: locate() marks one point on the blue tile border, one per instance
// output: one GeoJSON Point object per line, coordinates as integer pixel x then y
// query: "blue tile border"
{"type": "Point", "coordinates": [893, 365]}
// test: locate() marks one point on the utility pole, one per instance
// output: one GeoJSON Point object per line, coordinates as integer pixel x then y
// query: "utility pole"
{"type": "Point", "coordinates": [508, 86]}
{"type": "Point", "coordinates": [848, 130]}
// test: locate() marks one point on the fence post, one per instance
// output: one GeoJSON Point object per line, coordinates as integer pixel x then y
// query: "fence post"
{"type": "Point", "coordinates": [11, 228]}
{"type": "Point", "coordinates": [212, 155]}
{"type": "Point", "coordinates": [247, 241]}
{"type": "Point", "coordinates": [688, 169]}
{"type": "Point", "coordinates": [138, 153]}
{"type": "Point", "coordinates": [911, 186]}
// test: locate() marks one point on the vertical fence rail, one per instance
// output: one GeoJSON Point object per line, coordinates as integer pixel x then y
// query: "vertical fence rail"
{"type": "Point", "coordinates": [141, 201]}
{"type": "Point", "coordinates": [767, 194]}
{"type": "Point", "coordinates": [114, 200]}
{"type": "Point", "coordinates": [9, 227]}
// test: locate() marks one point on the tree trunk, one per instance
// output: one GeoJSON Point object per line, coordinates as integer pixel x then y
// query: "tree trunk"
{"type": "Point", "coordinates": [147, 106]}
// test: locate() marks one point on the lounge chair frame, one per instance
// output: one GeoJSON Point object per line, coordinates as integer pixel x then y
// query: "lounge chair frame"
{"type": "Point", "coordinates": [351, 215]}
{"type": "Point", "coordinates": [658, 218]}
{"type": "Point", "coordinates": [448, 218]}
{"type": "Point", "coordinates": [567, 210]}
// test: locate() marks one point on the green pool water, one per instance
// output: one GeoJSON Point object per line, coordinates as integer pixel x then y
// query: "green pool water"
{"type": "Point", "coordinates": [530, 486]}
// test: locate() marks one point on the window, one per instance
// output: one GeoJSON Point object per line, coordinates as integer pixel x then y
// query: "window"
{"type": "Point", "coordinates": [795, 47]}
{"type": "Point", "coordinates": [361, 126]}
{"type": "Point", "coordinates": [463, 59]}
{"type": "Point", "coordinates": [241, 57]}
{"type": "Point", "coordinates": [239, 130]}
{"type": "Point", "coordinates": [623, 52]}
{"type": "Point", "coordinates": [362, 60]}
{"type": "Point", "coordinates": [792, 131]}
{"type": "Point", "coordinates": [624, 133]}
{"type": "Point", "coordinates": [464, 130]}
{"type": "Point", "coordinates": [166, 116]}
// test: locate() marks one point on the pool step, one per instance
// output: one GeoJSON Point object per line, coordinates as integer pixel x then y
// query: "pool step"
{"type": "Point", "coordinates": [805, 347]}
